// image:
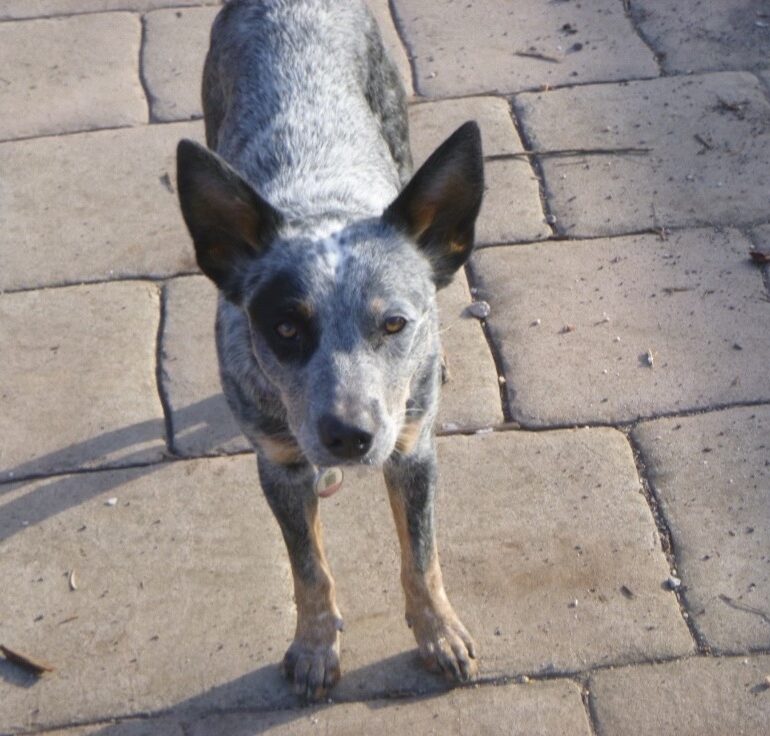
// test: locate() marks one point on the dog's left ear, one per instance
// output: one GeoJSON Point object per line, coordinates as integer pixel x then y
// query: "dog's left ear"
{"type": "Point", "coordinates": [438, 207]}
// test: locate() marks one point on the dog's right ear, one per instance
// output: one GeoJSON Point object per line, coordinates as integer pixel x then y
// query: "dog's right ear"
{"type": "Point", "coordinates": [229, 222]}
{"type": "Point", "coordinates": [437, 209]}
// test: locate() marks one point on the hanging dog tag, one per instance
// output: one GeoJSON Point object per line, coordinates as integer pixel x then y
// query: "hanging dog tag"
{"type": "Point", "coordinates": [328, 481]}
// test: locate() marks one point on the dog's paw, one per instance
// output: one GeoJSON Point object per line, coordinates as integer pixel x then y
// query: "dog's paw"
{"type": "Point", "coordinates": [312, 668]}
{"type": "Point", "coordinates": [445, 645]}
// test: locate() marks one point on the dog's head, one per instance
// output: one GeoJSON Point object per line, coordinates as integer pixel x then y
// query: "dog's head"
{"type": "Point", "coordinates": [343, 324]}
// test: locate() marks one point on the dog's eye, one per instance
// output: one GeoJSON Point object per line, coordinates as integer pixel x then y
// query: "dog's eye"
{"type": "Point", "coordinates": [394, 325]}
{"type": "Point", "coordinates": [286, 330]}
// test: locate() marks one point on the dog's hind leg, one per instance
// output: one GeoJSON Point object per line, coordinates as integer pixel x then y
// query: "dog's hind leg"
{"type": "Point", "coordinates": [444, 643]}
{"type": "Point", "coordinates": [312, 661]}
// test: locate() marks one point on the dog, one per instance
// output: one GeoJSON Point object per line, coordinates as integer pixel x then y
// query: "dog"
{"type": "Point", "coordinates": [328, 253]}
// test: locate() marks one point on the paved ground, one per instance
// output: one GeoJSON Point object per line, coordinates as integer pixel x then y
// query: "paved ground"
{"type": "Point", "coordinates": [605, 491]}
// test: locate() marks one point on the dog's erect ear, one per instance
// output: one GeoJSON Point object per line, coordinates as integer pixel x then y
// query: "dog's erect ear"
{"type": "Point", "coordinates": [438, 207]}
{"type": "Point", "coordinates": [229, 222]}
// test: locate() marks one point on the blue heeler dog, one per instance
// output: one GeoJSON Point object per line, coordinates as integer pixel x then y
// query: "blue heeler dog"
{"type": "Point", "coordinates": [328, 254]}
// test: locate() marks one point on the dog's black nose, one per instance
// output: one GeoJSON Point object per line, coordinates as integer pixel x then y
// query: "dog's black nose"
{"type": "Point", "coordinates": [343, 440]}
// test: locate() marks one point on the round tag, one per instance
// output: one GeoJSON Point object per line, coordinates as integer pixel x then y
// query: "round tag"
{"type": "Point", "coordinates": [328, 481]}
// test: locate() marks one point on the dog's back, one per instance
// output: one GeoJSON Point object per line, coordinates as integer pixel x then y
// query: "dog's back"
{"type": "Point", "coordinates": [289, 92]}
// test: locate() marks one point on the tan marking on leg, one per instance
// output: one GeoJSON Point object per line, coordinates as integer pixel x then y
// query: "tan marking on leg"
{"type": "Point", "coordinates": [421, 589]}
{"type": "Point", "coordinates": [408, 437]}
{"type": "Point", "coordinates": [315, 600]}
{"type": "Point", "coordinates": [439, 633]}
{"type": "Point", "coordinates": [312, 660]}
{"type": "Point", "coordinates": [280, 450]}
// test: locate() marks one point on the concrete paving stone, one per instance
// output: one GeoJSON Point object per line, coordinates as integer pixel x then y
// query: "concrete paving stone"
{"type": "Point", "coordinates": [431, 122]}
{"type": "Point", "coordinates": [204, 631]}
{"type": "Point", "coordinates": [535, 568]}
{"type": "Point", "coordinates": [176, 41]}
{"type": "Point", "coordinates": [492, 46]}
{"type": "Point", "coordinates": [175, 48]}
{"type": "Point", "coordinates": [701, 35]}
{"type": "Point", "coordinates": [78, 378]}
{"type": "Point", "coordinates": [92, 206]}
{"type": "Point", "coordinates": [695, 697]}
{"type": "Point", "coordinates": [712, 475]}
{"type": "Point", "coordinates": [182, 592]}
{"type": "Point", "coordinates": [17, 9]}
{"type": "Point", "coordinates": [574, 320]}
{"type": "Point", "coordinates": [544, 708]}
{"type": "Point", "coordinates": [704, 142]}
{"type": "Point", "coordinates": [60, 91]}
{"type": "Point", "coordinates": [201, 419]}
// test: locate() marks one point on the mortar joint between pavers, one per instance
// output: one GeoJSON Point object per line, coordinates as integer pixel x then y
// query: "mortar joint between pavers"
{"type": "Point", "coordinates": [160, 373]}
{"type": "Point", "coordinates": [626, 425]}
{"type": "Point", "coordinates": [149, 97]}
{"type": "Point", "coordinates": [63, 134]}
{"type": "Point", "coordinates": [658, 56]}
{"type": "Point", "coordinates": [592, 717]}
{"type": "Point", "coordinates": [98, 11]}
{"type": "Point", "coordinates": [666, 538]}
{"type": "Point", "coordinates": [407, 50]}
{"type": "Point", "coordinates": [148, 278]}
{"type": "Point", "coordinates": [483, 429]}
{"type": "Point", "coordinates": [497, 358]}
{"type": "Point", "coordinates": [536, 168]}
{"type": "Point", "coordinates": [663, 232]}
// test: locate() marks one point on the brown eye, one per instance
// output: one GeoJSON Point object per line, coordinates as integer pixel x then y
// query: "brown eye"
{"type": "Point", "coordinates": [394, 325]}
{"type": "Point", "coordinates": [286, 330]}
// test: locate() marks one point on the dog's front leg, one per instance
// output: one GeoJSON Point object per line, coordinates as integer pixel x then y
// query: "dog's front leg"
{"type": "Point", "coordinates": [444, 643]}
{"type": "Point", "coordinates": [312, 662]}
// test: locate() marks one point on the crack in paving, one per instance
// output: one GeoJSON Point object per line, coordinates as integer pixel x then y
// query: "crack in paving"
{"type": "Point", "coordinates": [744, 607]}
{"type": "Point", "coordinates": [160, 373]}
{"type": "Point", "coordinates": [580, 678]}
{"type": "Point", "coordinates": [123, 9]}
{"type": "Point", "coordinates": [407, 50]}
{"type": "Point", "coordinates": [667, 540]}
{"type": "Point", "coordinates": [537, 169]}
{"type": "Point", "coordinates": [149, 97]}
{"type": "Point", "coordinates": [657, 56]}
{"type": "Point", "coordinates": [506, 392]}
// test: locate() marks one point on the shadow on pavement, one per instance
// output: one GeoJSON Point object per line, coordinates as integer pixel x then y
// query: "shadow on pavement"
{"type": "Point", "coordinates": [104, 453]}
{"type": "Point", "coordinates": [232, 710]}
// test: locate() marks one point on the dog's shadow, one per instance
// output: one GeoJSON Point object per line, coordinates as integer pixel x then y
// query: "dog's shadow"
{"type": "Point", "coordinates": [262, 700]}
{"type": "Point", "coordinates": [203, 423]}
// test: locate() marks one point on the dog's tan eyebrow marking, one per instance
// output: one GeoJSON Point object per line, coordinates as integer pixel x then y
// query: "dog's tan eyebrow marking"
{"type": "Point", "coordinates": [304, 308]}
{"type": "Point", "coordinates": [377, 305]}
